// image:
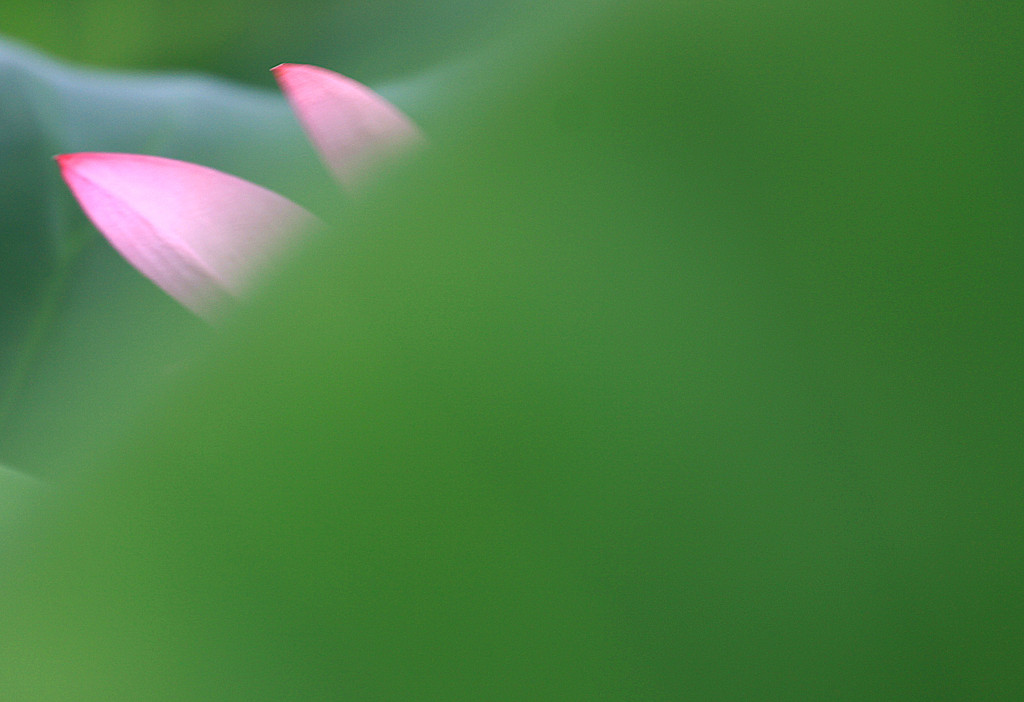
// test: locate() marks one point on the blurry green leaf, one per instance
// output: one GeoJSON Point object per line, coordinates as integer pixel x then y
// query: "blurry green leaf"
{"type": "Point", "coordinates": [685, 366]}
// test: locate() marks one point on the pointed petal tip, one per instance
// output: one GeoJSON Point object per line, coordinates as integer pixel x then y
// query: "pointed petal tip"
{"type": "Point", "coordinates": [288, 73]}
{"type": "Point", "coordinates": [66, 160]}
{"type": "Point", "coordinates": [73, 163]}
{"type": "Point", "coordinates": [284, 68]}
{"type": "Point", "coordinates": [87, 158]}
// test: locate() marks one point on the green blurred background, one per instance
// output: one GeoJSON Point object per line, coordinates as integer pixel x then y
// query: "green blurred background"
{"type": "Point", "coordinates": [685, 365]}
{"type": "Point", "coordinates": [374, 41]}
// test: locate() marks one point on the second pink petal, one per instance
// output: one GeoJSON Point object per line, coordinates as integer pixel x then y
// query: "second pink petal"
{"type": "Point", "coordinates": [350, 125]}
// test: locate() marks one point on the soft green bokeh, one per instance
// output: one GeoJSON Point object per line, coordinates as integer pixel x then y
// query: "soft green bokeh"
{"type": "Point", "coordinates": [374, 41]}
{"type": "Point", "coordinates": [685, 365]}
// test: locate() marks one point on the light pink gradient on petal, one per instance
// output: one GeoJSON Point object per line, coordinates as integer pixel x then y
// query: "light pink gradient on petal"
{"type": "Point", "coordinates": [198, 233]}
{"type": "Point", "coordinates": [350, 125]}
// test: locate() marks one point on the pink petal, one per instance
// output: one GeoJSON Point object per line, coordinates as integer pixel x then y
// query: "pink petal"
{"type": "Point", "coordinates": [350, 125]}
{"type": "Point", "coordinates": [198, 233]}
